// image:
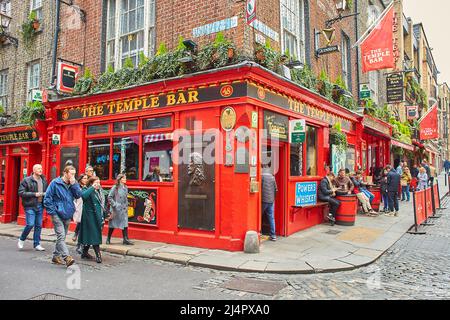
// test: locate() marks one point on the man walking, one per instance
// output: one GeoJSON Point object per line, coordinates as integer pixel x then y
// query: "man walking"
{"type": "Point", "coordinates": [400, 168]}
{"type": "Point", "coordinates": [427, 168]}
{"type": "Point", "coordinates": [393, 181]}
{"type": "Point", "coordinates": [59, 202]}
{"type": "Point", "coordinates": [32, 190]}
{"type": "Point", "coordinates": [269, 189]}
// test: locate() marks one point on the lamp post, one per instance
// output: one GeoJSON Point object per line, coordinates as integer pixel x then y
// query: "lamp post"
{"type": "Point", "coordinates": [341, 6]}
{"type": "Point", "coordinates": [4, 25]}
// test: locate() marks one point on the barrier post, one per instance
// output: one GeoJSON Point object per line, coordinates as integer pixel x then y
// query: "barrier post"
{"type": "Point", "coordinates": [433, 203]}
{"type": "Point", "coordinates": [416, 227]}
{"type": "Point", "coordinates": [439, 197]}
{"type": "Point", "coordinates": [426, 223]}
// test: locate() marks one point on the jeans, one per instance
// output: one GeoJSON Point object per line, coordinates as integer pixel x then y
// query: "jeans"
{"type": "Point", "coordinates": [34, 220]}
{"type": "Point", "coordinates": [385, 201]}
{"type": "Point", "coordinates": [61, 228]}
{"type": "Point", "coordinates": [365, 203]}
{"type": "Point", "coordinates": [393, 201]}
{"type": "Point", "coordinates": [368, 195]}
{"type": "Point", "coordinates": [267, 208]}
{"type": "Point", "coordinates": [405, 193]}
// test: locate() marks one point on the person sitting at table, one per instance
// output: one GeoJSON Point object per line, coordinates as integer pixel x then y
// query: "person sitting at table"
{"type": "Point", "coordinates": [343, 184]}
{"type": "Point", "coordinates": [363, 199]}
{"type": "Point", "coordinates": [327, 193]}
{"type": "Point", "coordinates": [363, 188]}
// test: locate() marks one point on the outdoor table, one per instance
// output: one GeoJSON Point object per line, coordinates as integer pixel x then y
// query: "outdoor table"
{"type": "Point", "coordinates": [346, 213]}
{"type": "Point", "coordinates": [376, 202]}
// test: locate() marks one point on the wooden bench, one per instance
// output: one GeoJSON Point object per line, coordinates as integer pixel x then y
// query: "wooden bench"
{"type": "Point", "coordinates": [317, 205]}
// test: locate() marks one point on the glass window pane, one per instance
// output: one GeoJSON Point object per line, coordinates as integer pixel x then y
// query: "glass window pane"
{"type": "Point", "coordinates": [157, 123]}
{"type": "Point", "coordinates": [296, 155]}
{"type": "Point", "coordinates": [311, 151]}
{"type": "Point", "coordinates": [125, 126]}
{"type": "Point", "coordinates": [98, 157]}
{"type": "Point", "coordinates": [126, 157]}
{"type": "Point", "coordinates": [157, 155]}
{"type": "Point", "coordinates": [98, 129]}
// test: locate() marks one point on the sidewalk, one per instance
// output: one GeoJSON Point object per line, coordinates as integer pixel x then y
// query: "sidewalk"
{"type": "Point", "coordinates": [319, 249]}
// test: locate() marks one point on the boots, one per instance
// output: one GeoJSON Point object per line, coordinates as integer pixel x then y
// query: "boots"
{"type": "Point", "coordinates": [79, 249]}
{"type": "Point", "coordinates": [98, 255]}
{"type": "Point", "coordinates": [110, 232]}
{"type": "Point", "coordinates": [126, 241]}
{"type": "Point", "coordinates": [85, 254]}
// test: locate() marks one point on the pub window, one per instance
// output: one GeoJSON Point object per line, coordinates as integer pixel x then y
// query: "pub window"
{"type": "Point", "coordinates": [350, 160]}
{"type": "Point", "coordinates": [311, 151]}
{"type": "Point", "coordinates": [98, 129]}
{"type": "Point", "coordinates": [36, 6]}
{"type": "Point", "coordinates": [98, 157]}
{"type": "Point", "coordinates": [296, 155]}
{"type": "Point", "coordinates": [293, 28]}
{"type": "Point", "coordinates": [126, 157]}
{"type": "Point", "coordinates": [125, 126]}
{"type": "Point", "coordinates": [4, 90]}
{"type": "Point", "coordinates": [157, 123]}
{"type": "Point", "coordinates": [5, 7]}
{"type": "Point", "coordinates": [2, 174]}
{"type": "Point", "coordinates": [346, 62]}
{"type": "Point", "coordinates": [34, 78]}
{"type": "Point", "coordinates": [157, 153]}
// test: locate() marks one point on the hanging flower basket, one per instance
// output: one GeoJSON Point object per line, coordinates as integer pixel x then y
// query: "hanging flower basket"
{"type": "Point", "coordinates": [36, 24]}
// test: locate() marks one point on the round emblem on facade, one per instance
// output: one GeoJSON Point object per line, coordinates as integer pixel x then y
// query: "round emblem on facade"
{"type": "Point", "coordinates": [65, 115]}
{"type": "Point", "coordinates": [226, 91]}
{"type": "Point", "coordinates": [34, 135]}
{"type": "Point", "coordinates": [228, 119]}
{"type": "Point", "coordinates": [261, 93]}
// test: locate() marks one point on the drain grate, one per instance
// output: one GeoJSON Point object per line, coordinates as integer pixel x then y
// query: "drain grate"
{"type": "Point", "coordinates": [51, 296]}
{"type": "Point", "coordinates": [333, 232]}
{"type": "Point", "coordinates": [255, 286]}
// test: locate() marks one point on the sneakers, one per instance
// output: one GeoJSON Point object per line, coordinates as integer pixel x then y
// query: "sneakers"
{"type": "Point", "coordinates": [69, 261]}
{"type": "Point", "coordinates": [58, 260]}
{"type": "Point", "coordinates": [20, 244]}
{"type": "Point", "coordinates": [39, 248]}
{"type": "Point", "coordinates": [389, 214]}
{"type": "Point", "coordinates": [273, 238]}
{"type": "Point", "coordinates": [396, 214]}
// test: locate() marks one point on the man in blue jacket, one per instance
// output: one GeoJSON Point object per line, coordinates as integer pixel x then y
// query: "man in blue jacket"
{"type": "Point", "coordinates": [59, 202]}
{"type": "Point", "coordinates": [393, 183]}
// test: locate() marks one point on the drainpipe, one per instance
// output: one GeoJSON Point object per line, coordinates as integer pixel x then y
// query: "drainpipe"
{"type": "Point", "coordinates": [55, 45]}
{"type": "Point", "coordinates": [357, 51]}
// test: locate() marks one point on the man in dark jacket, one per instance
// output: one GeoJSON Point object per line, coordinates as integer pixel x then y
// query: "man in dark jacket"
{"type": "Point", "coordinates": [32, 190]}
{"type": "Point", "coordinates": [327, 193]}
{"type": "Point", "coordinates": [393, 181]}
{"type": "Point", "coordinates": [269, 189]}
{"type": "Point", "coordinates": [59, 202]}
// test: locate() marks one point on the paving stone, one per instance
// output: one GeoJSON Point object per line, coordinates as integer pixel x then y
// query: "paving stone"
{"type": "Point", "coordinates": [253, 266]}
{"type": "Point", "coordinates": [296, 267]}
{"type": "Point", "coordinates": [173, 257]}
{"type": "Point", "coordinates": [142, 253]}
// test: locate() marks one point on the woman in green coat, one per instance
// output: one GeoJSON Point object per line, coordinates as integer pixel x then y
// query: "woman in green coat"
{"type": "Point", "coordinates": [91, 219]}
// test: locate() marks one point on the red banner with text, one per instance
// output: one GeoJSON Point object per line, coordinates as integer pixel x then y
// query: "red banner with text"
{"type": "Point", "coordinates": [429, 125]}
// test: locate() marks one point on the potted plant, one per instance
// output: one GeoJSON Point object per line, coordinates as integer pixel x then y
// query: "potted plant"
{"type": "Point", "coordinates": [84, 84]}
{"type": "Point", "coordinates": [29, 28]}
{"type": "Point", "coordinates": [267, 57]}
{"type": "Point", "coordinates": [217, 54]}
{"type": "Point", "coordinates": [338, 138]}
{"type": "Point", "coordinates": [339, 89]}
{"type": "Point", "coordinates": [323, 85]}
{"type": "Point", "coordinates": [32, 112]}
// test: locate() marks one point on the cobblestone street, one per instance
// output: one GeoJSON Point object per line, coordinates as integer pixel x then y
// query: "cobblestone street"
{"type": "Point", "coordinates": [416, 267]}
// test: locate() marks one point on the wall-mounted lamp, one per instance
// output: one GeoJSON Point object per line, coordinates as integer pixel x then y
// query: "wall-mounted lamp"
{"type": "Point", "coordinates": [4, 25]}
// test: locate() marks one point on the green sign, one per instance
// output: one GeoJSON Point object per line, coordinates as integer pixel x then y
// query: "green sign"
{"type": "Point", "coordinates": [364, 91]}
{"type": "Point", "coordinates": [297, 131]}
{"type": "Point", "coordinates": [298, 137]}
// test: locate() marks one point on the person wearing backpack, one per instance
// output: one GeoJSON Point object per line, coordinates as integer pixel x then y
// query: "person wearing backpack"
{"type": "Point", "coordinates": [118, 201]}
{"type": "Point", "coordinates": [60, 205]}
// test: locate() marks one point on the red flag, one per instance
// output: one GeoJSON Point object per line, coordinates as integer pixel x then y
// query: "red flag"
{"type": "Point", "coordinates": [429, 125]}
{"type": "Point", "coordinates": [377, 50]}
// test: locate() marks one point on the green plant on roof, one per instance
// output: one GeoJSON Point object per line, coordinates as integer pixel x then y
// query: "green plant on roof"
{"type": "Point", "coordinates": [85, 83]}
{"type": "Point", "coordinates": [181, 46]}
{"type": "Point", "coordinates": [340, 82]}
{"type": "Point", "coordinates": [143, 60]}
{"type": "Point", "coordinates": [162, 49]}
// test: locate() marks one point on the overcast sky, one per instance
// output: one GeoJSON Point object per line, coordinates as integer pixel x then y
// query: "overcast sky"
{"type": "Point", "coordinates": [434, 14]}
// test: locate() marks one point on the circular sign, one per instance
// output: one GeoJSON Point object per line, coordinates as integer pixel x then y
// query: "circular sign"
{"type": "Point", "coordinates": [261, 93]}
{"type": "Point", "coordinates": [226, 91]}
{"type": "Point", "coordinates": [228, 119]}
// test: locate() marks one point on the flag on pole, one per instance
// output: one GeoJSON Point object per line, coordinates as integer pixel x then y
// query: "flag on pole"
{"type": "Point", "coordinates": [377, 44]}
{"type": "Point", "coordinates": [429, 125]}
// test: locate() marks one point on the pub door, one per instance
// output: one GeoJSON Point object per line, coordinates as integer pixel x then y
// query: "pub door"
{"type": "Point", "coordinates": [16, 176]}
{"type": "Point", "coordinates": [196, 183]}
{"type": "Point", "coordinates": [277, 156]}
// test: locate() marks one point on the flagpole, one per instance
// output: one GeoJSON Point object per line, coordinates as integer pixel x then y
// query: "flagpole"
{"type": "Point", "coordinates": [373, 25]}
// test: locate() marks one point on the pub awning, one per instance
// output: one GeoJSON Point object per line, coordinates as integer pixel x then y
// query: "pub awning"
{"type": "Point", "coordinates": [402, 145]}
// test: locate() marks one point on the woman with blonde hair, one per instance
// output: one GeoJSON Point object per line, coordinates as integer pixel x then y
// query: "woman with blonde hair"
{"type": "Point", "coordinates": [405, 182]}
{"type": "Point", "coordinates": [423, 179]}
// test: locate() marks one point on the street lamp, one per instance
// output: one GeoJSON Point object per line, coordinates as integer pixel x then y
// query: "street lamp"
{"type": "Point", "coordinates": [341, 6]}
{"type": "Point", "coordinates": [4, 25]}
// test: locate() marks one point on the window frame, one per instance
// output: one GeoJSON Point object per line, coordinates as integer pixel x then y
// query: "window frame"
{"type": "Point", "coordinates": [300, 35]}
{"type": "Point", "coordinates": [140, 132]}
{"type": "Point", "coordinates": [4, 85]}
{"type": "Point", "coordinates": [31, 76]}
{"type": "Point", "coordinates": [37, 6]}
{"type": "Point", "coordinates": [114, 40]}
{"type": "Point", "coordinates": [6, 8]}
{"type": "Point", "coordinates": [346, 61]}
{"type": "Point", "coordinates": [304, 174]}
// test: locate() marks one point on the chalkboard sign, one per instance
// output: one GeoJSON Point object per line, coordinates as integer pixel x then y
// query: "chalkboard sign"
{"type": "Point", "coordinates": [394, 87]}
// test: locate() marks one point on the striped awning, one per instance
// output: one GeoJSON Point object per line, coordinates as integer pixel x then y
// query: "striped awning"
{"type": "Point", "coordinates": [157, 137]}
{"type": "Point", "coordinates": [402, 145]}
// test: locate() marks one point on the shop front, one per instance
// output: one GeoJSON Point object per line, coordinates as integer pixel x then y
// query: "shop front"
{"type": "Point", "coordinates": [375, 145]}
{"type": "Point", "coordinates": [20, 148]}
{"type": "Point", "coordinates": [402, 151]}
{"type": "Point", "coordinates": [208, 134]}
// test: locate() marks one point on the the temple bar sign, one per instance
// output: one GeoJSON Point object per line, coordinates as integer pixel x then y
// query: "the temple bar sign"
{"type": "Point", "coordinates": [18, 136]}
{"type": "Point", "coordinates": [67, 75]}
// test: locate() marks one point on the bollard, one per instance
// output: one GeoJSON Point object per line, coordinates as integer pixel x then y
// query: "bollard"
{"type": "Point", "coordinates": [427, 218]}
{"type": "Point", "coordinates": [416, 227]}
{"type": "Point", "coordinates": [433, 203]}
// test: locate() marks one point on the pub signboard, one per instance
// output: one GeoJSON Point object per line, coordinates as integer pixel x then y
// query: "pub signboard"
{"type": "Point", "coordinates": [394, 87]}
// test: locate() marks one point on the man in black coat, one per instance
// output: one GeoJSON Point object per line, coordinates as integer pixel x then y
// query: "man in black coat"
{"type": "Point", "coordinates": [393, 181]}
{"type": "Point", "coordinates": [32, 190]}
{"type": "Point", "coordinates": [327, 193]}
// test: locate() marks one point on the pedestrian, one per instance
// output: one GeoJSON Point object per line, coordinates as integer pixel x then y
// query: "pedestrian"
{"type": "Point", "coordinates": [423, 179]}
{"type": "Point", "coordinates": [433, 175]}
{"type": "Point", "coordinates": [393, 181]}
{"type": "Point", "coordinates": [89, 171]}
{"type": "Point", "coordinates": [118, 200]}
{"type": "Point", "coordinates": [269, 190]}
{"type": "Point", "coordinates": [92, 219]}
{"type": "Point", "coordinates": [447, 166]}
{"type": "Point", "coordinates": [400, 168]}
{"type": "Point", "coordinates": [82, 181]}
{"type": "Point", "coordinates": [363, 199]}
{"type": "Point", "coordinates": [405, 183]}
{"type": "Point", "coordinates": [32, 191]}
{"type": "Point", "coordinates": [427, 168]}
{"type": "Point", "coordinates": [155, 176]}
{"type": "Point", "coordinates": [414, 171]}
{"type": "Point", "coordinates": [384, 191]}
{"type": "Point", "coordinates": [59, 202]}
{"type": "Point", "coordinates": [327, 193]}
{"type": "Point", "coordinates": [343, 184]}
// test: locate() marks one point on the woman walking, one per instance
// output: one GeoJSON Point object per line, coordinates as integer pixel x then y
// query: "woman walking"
{"type": "Point", "coordinates": [384, 191]}
{"type": "Point", "coordinates": [118, 200]}
{"type": "Point", "coordinates": [91, 219]}
{"type": "Point", "coordinates": [405, 182]}
{"type": "Point", "coordinates": [423, 179]}
{"type": "Point", "coordinates": [82, 181]}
